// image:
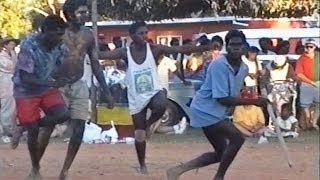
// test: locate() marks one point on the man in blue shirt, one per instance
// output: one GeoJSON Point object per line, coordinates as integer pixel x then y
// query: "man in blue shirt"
{"type": "Point", "coordinates": [211, 108]}
{"type": "Point", "coordinates": [34, 89]}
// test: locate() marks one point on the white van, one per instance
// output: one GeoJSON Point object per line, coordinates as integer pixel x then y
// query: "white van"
{"type": "Point", "coordinates": [292, 35]}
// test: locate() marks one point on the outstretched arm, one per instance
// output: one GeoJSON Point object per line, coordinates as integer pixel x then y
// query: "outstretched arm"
{"type": "Point", "coordinates": [185, 49]}
{"type": "Point", "coordinates": [114, 54]}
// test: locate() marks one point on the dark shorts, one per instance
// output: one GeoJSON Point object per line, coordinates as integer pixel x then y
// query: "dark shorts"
{"type": "Point", "coordinates": [28, 109]}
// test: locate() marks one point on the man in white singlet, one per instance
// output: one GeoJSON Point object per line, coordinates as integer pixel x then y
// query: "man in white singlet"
{"type": "Point", "coordinates": [144, 88]}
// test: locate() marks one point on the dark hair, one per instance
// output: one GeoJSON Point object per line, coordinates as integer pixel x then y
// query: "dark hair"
{"type": "Point", "coordinates": [186, 41]}
{"type": "Point", "coordinates": [174, 40]}
{"type": "Point", "coordinates": [235, 33]}
{"type": "Point", "coordinates": [253, 49]}
{"type": "Point", "coordinates": [52, 23]}
{"type": "Point", "coordinates": [70, 6]}
{"type": "Point", "coordinates": [135, 26]}
{"type": "Point", "coordinates": [116, 38]}
{"type": "Point", "coordinates": [203, 40]}
{"type": "Point", "coordinates": [287, 106]}
{"type": "Point", "coordinates": [217, 39]}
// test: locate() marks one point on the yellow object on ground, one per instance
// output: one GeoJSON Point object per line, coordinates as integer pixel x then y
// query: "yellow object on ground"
{"type": "Point", "coordinates": [119, 115]}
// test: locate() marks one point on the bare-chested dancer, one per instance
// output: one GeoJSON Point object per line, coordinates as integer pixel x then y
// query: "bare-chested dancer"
{"type": "Point", "coordinates": [79, 41]}
{"type": "Point", "coordinates": [144, 88]}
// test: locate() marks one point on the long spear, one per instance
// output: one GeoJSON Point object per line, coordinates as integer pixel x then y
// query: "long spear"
{"type": "Point", "coordinates": [94, 19]}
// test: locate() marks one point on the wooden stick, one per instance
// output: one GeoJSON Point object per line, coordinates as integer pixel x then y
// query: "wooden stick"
{"type": "Point", "coordinates": [279, 135]}
{"type": "Point", "coordinates": [94, 19]}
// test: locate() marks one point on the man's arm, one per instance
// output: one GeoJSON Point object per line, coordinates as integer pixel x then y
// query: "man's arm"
{"type": "Point", "coordinates": [29, 78]}
{"type": "Point", "coordinates": [98, 72]}
{"type": "Point", "coordinates": [184, 49]}
{"type": "Point", "coordinates": [116, 54]}
{"type": "Point", "coordinates": [236, 101]}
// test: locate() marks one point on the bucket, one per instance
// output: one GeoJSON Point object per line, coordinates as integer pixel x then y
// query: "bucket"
{"type": "Point", "coordinates": [119, 115]}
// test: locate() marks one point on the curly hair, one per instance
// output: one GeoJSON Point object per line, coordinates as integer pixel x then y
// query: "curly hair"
{"type": "Point", "coordinates": [135, 26]}
{"type": "Point", "coordinates": [70, 6]}
{"type": "Point", "coordinates": [235, 33]}
{"type": "Point", "coordinates": [52, 22]}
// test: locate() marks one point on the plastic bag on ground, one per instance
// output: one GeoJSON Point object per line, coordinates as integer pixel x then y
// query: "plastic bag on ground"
{"type": "Point", "coordinates": [91, 132]}
{"type": "Point", "coordinates": [111, 133]}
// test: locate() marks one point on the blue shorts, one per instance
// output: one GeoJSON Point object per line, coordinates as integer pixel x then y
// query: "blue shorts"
{"type": "Point", "coordinates": [309, 95]}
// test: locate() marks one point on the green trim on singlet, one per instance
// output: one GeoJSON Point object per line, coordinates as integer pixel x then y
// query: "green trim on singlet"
{"type": "Point", "coordinates": [317, 66]}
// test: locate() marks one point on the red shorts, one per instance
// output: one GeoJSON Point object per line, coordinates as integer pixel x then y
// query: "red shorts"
{"type": "Point", "coordinates": [28, 109]}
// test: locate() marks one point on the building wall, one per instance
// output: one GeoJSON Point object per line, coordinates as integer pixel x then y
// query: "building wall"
{"type": "Point", "coordinates": [183, 30]}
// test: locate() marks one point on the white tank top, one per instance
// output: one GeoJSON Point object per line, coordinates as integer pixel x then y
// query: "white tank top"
{"type": "Point", "coordinates": [278, 74]}
{"type": "Point", "coordinates": [142, 81]}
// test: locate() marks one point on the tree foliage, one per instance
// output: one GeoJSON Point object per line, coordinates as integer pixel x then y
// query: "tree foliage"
{"type": "Point", "coordinates": [17, 17]}
{"type": "Point", "coordinates": [14, 18]}
{"type": "Point", "coordinates": [166, 9]}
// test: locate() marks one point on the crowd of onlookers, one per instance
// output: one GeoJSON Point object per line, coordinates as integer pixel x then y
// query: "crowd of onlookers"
{"type": "Point", "coordinates": [296, 98]}
{"type": "Point", "coordinates": [289, 84]}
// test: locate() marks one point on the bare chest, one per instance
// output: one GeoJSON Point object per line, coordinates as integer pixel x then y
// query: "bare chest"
{"type": "Point", "coordinates": [77, 45]}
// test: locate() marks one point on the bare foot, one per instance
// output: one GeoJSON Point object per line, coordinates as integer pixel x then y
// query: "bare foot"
{"type": "Point", "coordinates": [143, 170]}
{"type": "Point", "coordinates": [63, 176]}
{"type": "Point", "coordinates": [173, 173]}
{"type": "Point", "coordinates": [218, 178]}
{"type": "Point", "coordinates": [34, 175]}
{"type": "Point", "coordinates": [16, 137]}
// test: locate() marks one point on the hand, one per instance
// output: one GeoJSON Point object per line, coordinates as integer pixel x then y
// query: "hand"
{"type": "Point", "coordinates": [187, 83]}
{"type": "Point", "coordinates": [315, 84]}
{"type": "Point", "coordinates": [252, 76]}
{"type": "Point", "coordinates": [261, 102]}
{"type": "Point", "coordinates": [107, 98]}
{"type": "Point", "coordinates": [59, 83]}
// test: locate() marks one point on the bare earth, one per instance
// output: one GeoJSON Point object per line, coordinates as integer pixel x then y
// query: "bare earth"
{"type": "Point", "coordinates": [118, 162]}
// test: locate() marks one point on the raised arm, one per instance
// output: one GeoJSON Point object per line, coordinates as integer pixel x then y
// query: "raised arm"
{"type": "Point", "coordinates": [114, 54]}
{"type": "Point", "coordinates": [184, 49]}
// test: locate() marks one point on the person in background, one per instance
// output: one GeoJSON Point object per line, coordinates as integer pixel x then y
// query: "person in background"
{"type": "Point", "coordinates": [265, 45]}
{"type": "Point", "coordinates": [8, 60]}
{"type": "Point", "coordinates": [287, 122]}
{"type": "Point", "coordinates": [165, 66]}
{"type": "Point", "coordinates": [307, 70]}
{"type": "Point", "coordinates": [255, 69]}
{"type": "Point", "coordinates": [117, 41]}
{"type": "Point", "coordinates": [249, 120]}
{"type": "Point", "coordinates": [277, 70]}
{"type": "Point", "coordinates": [283, 48]}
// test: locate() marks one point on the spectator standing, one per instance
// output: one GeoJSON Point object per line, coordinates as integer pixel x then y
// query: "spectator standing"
{"type": "Point", "coordinates": [255, 69]}
{"type": "Point", "coordinates": [8, 59]}
{"type": "Point", "coordinates": [307, 70]}
{"type": "Point", "coordinates": [265, 45]}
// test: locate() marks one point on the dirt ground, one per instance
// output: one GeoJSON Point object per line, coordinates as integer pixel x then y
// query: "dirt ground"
{"type": "Point", "coordinates": [118, 162]}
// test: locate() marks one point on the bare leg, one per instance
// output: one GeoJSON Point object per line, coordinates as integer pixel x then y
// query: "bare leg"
{"type": "Point", "coordinates": [307, 117]}
{"type": "Point", "coordinates": [33, 131]}
{"type": "Point", "coordinates": [139, 121]}
{"type": "Point", "coordinates": [165, 129]}
{"type": "Point", "coordinates": [43, 139]}
{"type": "Point", "coordinates": [140, 145]}
{"type": "Point", "coordinates": [216, 135]}
{"type": "Point", "coordinates": [74, 145]}
{"type": "Point", "coordinates": [158, 105]}
{"type": "Point", "coordinates": [314, 115]}
{"type": "Point", "coordinates": [17, 133]}
{"type": "Point", "coordinates": [55, 116]}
